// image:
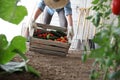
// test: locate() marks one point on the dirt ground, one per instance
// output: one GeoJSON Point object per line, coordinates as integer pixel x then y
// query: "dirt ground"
{"type": "Point", "coordinates": [55, 67]}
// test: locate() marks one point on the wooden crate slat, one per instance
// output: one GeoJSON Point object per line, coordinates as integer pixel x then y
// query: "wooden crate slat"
{"type": "Point", "coordinates": [49, 42]}
{"type": "Point", "coordinates": [46, 26]}
{"type": "Point", "coordinates": [48, 51]}
{"type": "Point", "coordinates": [47, 47]}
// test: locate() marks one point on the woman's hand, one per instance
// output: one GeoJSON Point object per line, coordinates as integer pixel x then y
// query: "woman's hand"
{"type": "Point", "coordinates": [70, 33]}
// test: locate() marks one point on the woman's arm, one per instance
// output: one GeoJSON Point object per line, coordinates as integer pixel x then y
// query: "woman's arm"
{"type": "Point", "coordinates": [68, 13]}
{"type": "Point", "coordinates": [37, 13]}
{"type": "Point", "coordinates": [69, 20]}
{"type": "Point", "coordinates": [40, 9]}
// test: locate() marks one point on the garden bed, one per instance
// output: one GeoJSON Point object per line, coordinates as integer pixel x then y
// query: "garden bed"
{"type": "Point", "coordinates": [54, 67]}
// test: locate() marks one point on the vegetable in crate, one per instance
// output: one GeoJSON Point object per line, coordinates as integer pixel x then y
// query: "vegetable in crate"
{"type": "Point", "coordinates": [39, 32]}
{"type": "Point", "coordinates": [42, 36]}
{"type": "Point", "coordinates": [61, 32]}
{"type": "Point", "coordinates": [62, 39]}
{"type": "Point", "coordinates": [51, 35]}
{"type": "Point", "coordinates": [52, 38]}
{"type": "Point", "coordinates": [55, 33]}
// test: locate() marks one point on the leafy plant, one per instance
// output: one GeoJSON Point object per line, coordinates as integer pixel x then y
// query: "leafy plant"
{"type": "Point", "coordinates": [13, 13]}
{"type": "Point", "coordinates": [107, 55]}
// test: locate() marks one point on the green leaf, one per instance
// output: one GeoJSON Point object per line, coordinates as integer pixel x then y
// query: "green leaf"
{"type": "Point", "coordinates": [94, 75]}
{"type": "Point", "coordinates": [89, 17]}
{"type": "Point", "coordinates": [6, 56]}
{"type": "Point", "coordinates": [107, 13]}
{"type": "Point", "coordinates": [115, 75]}
{"type": "Point", "coordinates": [17, 43]}
{"type": "Point", "coordinates": [11, 12]}
{"type": "Point", "coordinates": [102, 38]}
{"type": "Point", "coordinates": [97, 53]}
{"type": "Point", "coordinates": [3, 41]}
{"type": "Point", "coordinates": [96, 19]}
{"type": "Point", "coordinates": [95, 1]}
{"type": "Point", "coordinates": [93, 7]}
{"type": "Point", "coordinates": [109, 62]}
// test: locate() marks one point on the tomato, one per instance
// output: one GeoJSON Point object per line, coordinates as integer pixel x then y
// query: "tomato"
{"type": "Point", "coordinates": [40, 35]}
{"type": "Point", "coordinates": [115, 6]}
{"type": "Point", "coordinates": [38, 31]}
{"type": "Point", "coordinates": [63, 41]}
{"type": "Point", "coordinates": [58, 39]}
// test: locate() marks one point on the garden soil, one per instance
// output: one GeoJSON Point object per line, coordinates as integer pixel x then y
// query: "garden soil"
{"type": "Point", "coordinates": [52, 67]}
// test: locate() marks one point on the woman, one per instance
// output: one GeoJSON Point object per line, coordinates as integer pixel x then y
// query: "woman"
{"type": "Point", "coordinates": [64, 10]}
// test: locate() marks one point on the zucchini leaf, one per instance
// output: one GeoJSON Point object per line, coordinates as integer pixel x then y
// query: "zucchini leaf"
{"type": "Point", "coordinates": [12, 12]}
{"type": "Point", "coordinates": [8, 53]}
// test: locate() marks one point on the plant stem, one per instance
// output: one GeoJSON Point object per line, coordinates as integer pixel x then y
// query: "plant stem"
{"type": "Point", "coordinates": [118, 21]}
{"type": "Point", "coordinates": [105, 76]}
{"type": "Point", "coordinates": [116, 49]}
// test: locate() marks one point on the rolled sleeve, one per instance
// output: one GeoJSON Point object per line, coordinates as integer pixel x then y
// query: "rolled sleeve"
{"type": "Point", "coordinates": [68, 9]}
{"type": "Point", "coordinates": [41, 5]}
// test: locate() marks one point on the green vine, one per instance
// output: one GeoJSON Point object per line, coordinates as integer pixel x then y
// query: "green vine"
{"type": "Point", "coordinates": [107, 55]}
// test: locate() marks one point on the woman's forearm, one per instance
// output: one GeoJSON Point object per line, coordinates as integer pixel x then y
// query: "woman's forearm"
{"type": "Point", "coordinates": [69, 20]}
{"type": "Point", "coordinates": [37, 13]}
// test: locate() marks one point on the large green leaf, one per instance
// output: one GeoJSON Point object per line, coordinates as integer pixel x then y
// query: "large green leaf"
{"type": "Point", "coordinates": [11, 12]}
{"type": "Point", "coordinates": [99, 54]}
{"type": "Point", "coordinates": [17, 43]}
{"type": "Point", "coordinates": [6, 55]}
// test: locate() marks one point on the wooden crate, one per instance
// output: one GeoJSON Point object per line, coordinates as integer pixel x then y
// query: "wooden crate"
{"type": "Point", "coordinates": [48, 46]}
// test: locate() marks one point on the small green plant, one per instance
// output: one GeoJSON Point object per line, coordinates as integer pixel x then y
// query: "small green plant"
{"type": "Point", "coordinates": [8, 50]}
{"type": "Point", "coordinates": [107, 55]}
{"type": "Point", "coordinates": [13, 13]}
